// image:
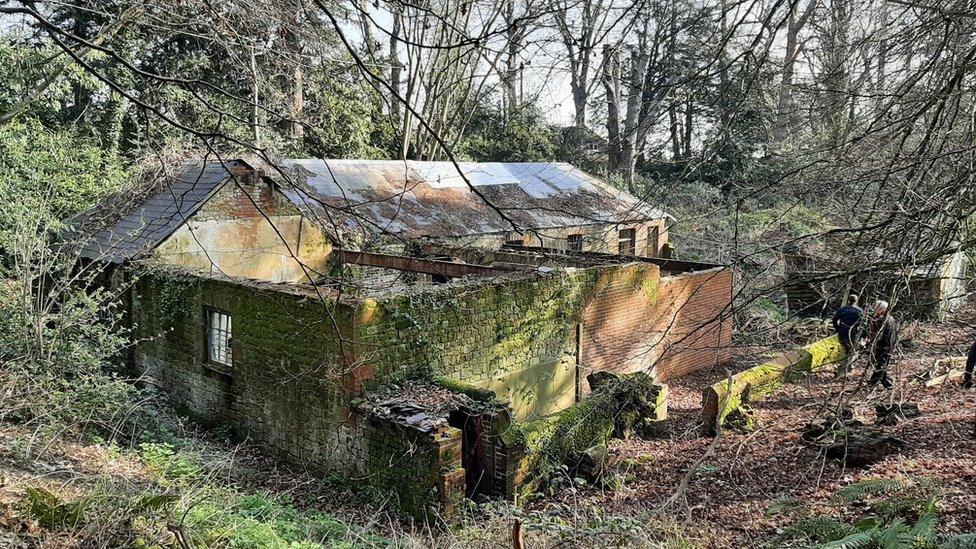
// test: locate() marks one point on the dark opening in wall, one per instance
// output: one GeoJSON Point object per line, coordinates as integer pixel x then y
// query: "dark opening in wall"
{"type": "Point", "coordinates": [471, 425]}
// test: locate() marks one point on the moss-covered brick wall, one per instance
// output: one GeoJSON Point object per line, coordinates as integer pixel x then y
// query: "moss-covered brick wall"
{"type": "Point", "coordinates": [522, 338]}
{"type": "Point", "coordinates": [288, 387]}
{"type": "Point", "coordinates": [422, 468]}
{"type": "Point", "coordinates": [300, 360]}
{"type": "Point", "coordinates": [285, 385]}
{"type": "Point", "coordinates": [533, 340]}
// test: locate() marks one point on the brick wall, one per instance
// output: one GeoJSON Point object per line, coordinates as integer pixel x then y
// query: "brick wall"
{"type": "Point", "coordinates": [246, 195]}
{"type": "Point", "coordinates": [247, 229]}
{"type": "Point", "coordinates": [620, 329]}
{"type": "Point", "coordinates": [695, 310]}
{"type": "Point", "coordinates": [524, 338]}
{"type": "Point", "coordinates": [515, 336]}
{"type": "Point", "coordinates": [284, 387]}
{"type": "Point", "coordinates": [421, 467]}
{"type": "Point", "coordinates": [597, 237]}
{"type": "Point", "coordinates": [675, 324]}
{"type": "Point", "coordinates": [288, 387]}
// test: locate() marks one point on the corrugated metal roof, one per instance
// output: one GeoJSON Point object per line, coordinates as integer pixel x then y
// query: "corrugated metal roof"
{"type": "Point", "coordinates": [406, 198]}
{"type": "Point", "coordinates": [412, 198]}
{"type": "Point", "coordinates": [129, 224]}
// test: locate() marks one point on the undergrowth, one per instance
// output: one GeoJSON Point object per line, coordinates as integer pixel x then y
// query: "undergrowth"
{"type": "Point", "coordinates": [881, 513]}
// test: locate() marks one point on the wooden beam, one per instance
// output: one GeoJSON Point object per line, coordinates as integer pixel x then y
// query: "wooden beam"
{"type": "Point", "coordinates": [449, 269]}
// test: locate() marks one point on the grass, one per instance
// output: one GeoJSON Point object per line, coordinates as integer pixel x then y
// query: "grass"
{"type": "Point", "coordinates": [156, 494]}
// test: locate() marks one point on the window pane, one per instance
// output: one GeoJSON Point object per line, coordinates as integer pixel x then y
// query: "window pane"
{"type": "Point", "coordinates": [219, 338]}
{"type": "Point", "coordinates": [626, 241]}
{"type": "Point", "coordinates": [575, 242]}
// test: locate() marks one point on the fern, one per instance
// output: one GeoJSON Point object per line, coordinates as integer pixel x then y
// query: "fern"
{"type": "Point", "coordinates": [153, 502]}
{"type": "Point", "coordinates": [958, 541]}
{"type": "Point", "coordinates": [50, 512]}
{"type": "Point", "coordinates": [855, 540]}
{"type": "Point", "coordinates": [896, 536]}
{"type": "Point", "coordinates": [818, 529]}
{"type": "Point", "coordinates": [867, 488]}
{"type": "Point", "coordinates": [925, 528]}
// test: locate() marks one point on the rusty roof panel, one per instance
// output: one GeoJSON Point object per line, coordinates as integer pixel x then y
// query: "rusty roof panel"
{"type": "Point", "coordinates": [412, 198]}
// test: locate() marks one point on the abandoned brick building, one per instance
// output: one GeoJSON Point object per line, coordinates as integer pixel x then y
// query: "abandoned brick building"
{"type": "Point", "coordinates": [819, 277]}
{"type": "Point", "coordinates": [395, 322]}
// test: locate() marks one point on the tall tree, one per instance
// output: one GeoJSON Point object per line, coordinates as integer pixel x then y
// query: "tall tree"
{"type": "Point", "coordinates": [784, 107]}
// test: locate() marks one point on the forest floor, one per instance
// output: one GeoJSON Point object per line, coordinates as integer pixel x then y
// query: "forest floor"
{"type": "Point", "coordinates": [735, 490]}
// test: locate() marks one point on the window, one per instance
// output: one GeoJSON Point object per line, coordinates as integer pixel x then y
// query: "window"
{"type": "Point", "coordinates": [653, 241]}
{"type": "Point", "coordinates": [514, 239]}
{"type": "Point", "coordinates": [575, 242]}
{"type": "Point", "coordinates": [219, 337]}
{"type": "Point", "coordinates": [626, 242]}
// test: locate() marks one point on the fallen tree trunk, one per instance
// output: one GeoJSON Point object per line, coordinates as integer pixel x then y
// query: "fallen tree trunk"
{"type": "Point", "coordinates": [618, 406]}
{"type": "Point", "coordinates": [728, 396]}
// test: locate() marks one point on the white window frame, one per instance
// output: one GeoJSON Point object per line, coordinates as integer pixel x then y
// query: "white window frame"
{"type": "Point", "coordinates": [220, 326]}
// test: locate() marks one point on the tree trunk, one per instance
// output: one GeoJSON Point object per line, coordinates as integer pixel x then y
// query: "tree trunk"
{"type": "Point", "coordinates": [511, 59]}
{"type": "Point", "coordinates": [297, 104]}
{"type": "Point", "coordinates": [610, 85]}
{"type": "Point", "coordinates": [784, 107]}
{"type": "Point", "coordinates": [675, 132]}
{"type": "Point", "coordinates": [395, 70]}
{"type": "Point", "coordinates": [689, 126]}
{"type": "Point", "coordinates": [253, 118]}
{"type": "Point", "coordinates": [579, 103]}
{"type": "Point", "coordinates": [635, 93]}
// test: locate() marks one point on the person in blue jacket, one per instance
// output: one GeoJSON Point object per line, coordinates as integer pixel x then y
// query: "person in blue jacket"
{"type": "Point", "coordinates": [847, 323]}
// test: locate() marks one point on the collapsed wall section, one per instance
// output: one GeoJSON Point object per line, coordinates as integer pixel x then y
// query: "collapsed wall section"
{"type": "Point", "coordinates": [417, 457]}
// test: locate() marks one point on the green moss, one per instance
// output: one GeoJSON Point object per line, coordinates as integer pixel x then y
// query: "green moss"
{"type": "Point", "coordinates": [650, 286]}
{"type": "Point", "coordinates": [489, 332]}
{"type": "Point", "coordinates": [825, 351]}
{"type": "Point", "coordinates": [762, 380]}
{"type": "Point", "coordinates": [473, 391]}
{"type": "Point", "coordinates": [549, 442]}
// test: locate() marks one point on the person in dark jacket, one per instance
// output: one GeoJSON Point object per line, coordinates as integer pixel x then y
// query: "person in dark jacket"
{"type": "Point", "coordinates": [847, 323]}
{"type": "Point", "coordinates": [967, 378]}
{"type": "Point", "coordinates": [884, 337]}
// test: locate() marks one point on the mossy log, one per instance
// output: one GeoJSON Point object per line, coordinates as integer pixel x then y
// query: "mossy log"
{"type": "Point", "coordinates": [615, 409]}
{"type": "Point", "coordinates": [728, 395]}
